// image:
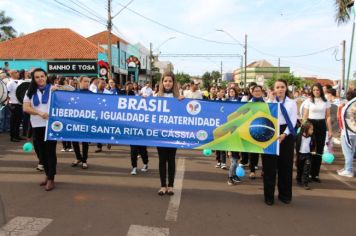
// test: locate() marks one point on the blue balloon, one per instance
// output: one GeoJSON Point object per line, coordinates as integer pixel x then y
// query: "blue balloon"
{"type": "Point", "coordinates": [328, 158]}
{"type": "Point", "coordinates": [27, 147]}
{"type": "Point", "coordinates": [207, 152]}
{"type": "Point", "coordinates": [240, 172]}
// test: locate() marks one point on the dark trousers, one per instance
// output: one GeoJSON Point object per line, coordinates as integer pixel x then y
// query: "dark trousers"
{"type": "Point", "coordinates": [244, 158]}
{"type": "Point", "coordinates": [15, 120]}
{"type": "Point", "coordinates": [138, 150]}
{"type": "Point", "coordinates": [320, 136]}
{"type": "Point", "coordinates": [167, 155]}
{"type": "Point", "coordinates": [85, 148]}
{"type": "Point", "coordinates": [99, 145]}
{"type": "Point", "coordinates": [235, 155]}
{"type": "Point", "coordinates": [67, 144]}
{"type": "Point", "coordinates": [26, 124]}
{"type": "Point", "coordinates": [303, 168]}
{"type": "Point", "coordinates": [253, 157]}
{"type": "Point", "coordinates": [221, 156]}
{"type": "Point", "coordinates": [46, 150]}
{"type": "Point", "coordinates": [281, 165]}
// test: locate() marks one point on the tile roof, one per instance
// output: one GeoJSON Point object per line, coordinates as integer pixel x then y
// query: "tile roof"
{"type": "Point", "coordinates": [50, 44]}
{"type": "Point", "coordinates": [102, 38]}
{"type": "Point", "coordinates": [321, 81]}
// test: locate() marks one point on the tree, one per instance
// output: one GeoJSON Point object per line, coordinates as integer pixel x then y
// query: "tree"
{"type": "Point", "coordinates": [156, 78]}
{"type": "Point", "coordinates": [6, 30]}
{"type": "Point", "coordinates": [297, 82]}
{"type": "Point", "coordinates": [182, 78]}
{"type": "Point", "coordinates": [343, 11]}
{"type": "Point", "coordinates": [211, 78]}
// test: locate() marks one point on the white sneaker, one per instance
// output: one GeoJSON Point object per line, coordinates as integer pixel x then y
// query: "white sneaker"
{"type": "Point", "coordinates": [340, 171]}
{"type": "Point", "coordinates": [134, 171]}
{"type": "Point", "coordinates": [70, 150]}
{"type": "Point", "coordinates": [346, 173]}
{"type": "Point", "coordinates": [144, 168]}
{"type": "Point", "coordinates": [63, 150]}
{"type": "Point", "coordinates": [223, 166]}
{"type": "Point", "coordinates": [40, 168]}
{"type": "Point", "coordinates": [218, 165]}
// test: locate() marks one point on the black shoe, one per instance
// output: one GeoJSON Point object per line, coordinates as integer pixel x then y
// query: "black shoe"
{"type": "Point", "coordinates": [299, 182]}
{"type": "Point", "coordinates": [306, 187]}
{"type": "Point", "coordinates": [14, 140]}
{"type": "Point", "coordinates": [269, 202]}
{"type": "Point", "coordinates": [284, 200]}
{"type": "Point", "coordinates": [98, 150]}
{"type": "Point", "coordinates": [316, 179]}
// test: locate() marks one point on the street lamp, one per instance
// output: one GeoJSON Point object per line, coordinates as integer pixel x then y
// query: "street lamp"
{"type": "Point", "coordinates": [164, 42]}
{"type": "Point", "coordinates": [242, 45]}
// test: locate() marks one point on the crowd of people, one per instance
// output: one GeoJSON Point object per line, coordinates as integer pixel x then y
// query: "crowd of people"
{"type": "Point", "coordinates": [309, 108]}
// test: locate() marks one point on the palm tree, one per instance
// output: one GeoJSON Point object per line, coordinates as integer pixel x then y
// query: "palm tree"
{"type": "Point", "coordinates": [343, 11]}
{"type": "Point", "coordinates": [6, 30]}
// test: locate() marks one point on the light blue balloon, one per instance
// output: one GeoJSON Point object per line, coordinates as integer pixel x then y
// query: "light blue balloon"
{"type": "Point", "coordinates": [328, 158]}
{"type": "Point", "coordinates": [207, 152]}
{"type": "Point", "coordinates": [240, 172]}
{"type": "Point", "coordinates": [27, 147]}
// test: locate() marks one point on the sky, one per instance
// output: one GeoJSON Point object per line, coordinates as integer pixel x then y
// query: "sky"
{"type": "Point", "coordinates": [275, 28]}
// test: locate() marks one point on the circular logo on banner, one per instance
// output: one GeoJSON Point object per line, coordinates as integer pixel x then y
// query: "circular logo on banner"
{"type": "Point", "coordinates": [202, 135]}
{"type": "Point", "coordinates": [193, 107]}
{"type": "Point", "coordinates": [57, 126]}
{"type": "Point", "coordinates": [262, 129]}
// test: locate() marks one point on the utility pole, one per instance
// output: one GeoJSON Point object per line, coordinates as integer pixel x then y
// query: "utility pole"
{"type": "Point", "coordinates": [109, 27]}
{"type": "Point", "coordinates": [342, 67]}
{"type": "Point", "coordinates": [221, 72]}
{"type": "Point", "coordinates": [151, 62]}
{"type": "Point", "coordinates": [245, 61]}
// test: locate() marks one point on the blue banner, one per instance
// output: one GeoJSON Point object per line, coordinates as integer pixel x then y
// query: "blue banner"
{"type": "Point", "coordinates": [163, 122]}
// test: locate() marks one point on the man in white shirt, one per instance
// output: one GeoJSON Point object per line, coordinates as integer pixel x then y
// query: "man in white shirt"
{"type": "Point", "coordinates": [15, 106]}
{"type": "Point", "coordinates": [94, 85]}
{"type": "Point", "coordinates": [194, 91]}
{"type": "Point", "coordinates": [146, 91]}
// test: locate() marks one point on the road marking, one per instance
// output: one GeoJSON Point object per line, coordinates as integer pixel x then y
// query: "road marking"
{"type": "Point", "coordinates": [139, 230]}
{"type": "Point", "coordinates": [173, 206]}
{"type": "Point", "coordinates": [28, 226]}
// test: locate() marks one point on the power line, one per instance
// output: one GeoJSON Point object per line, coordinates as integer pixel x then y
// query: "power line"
{"type": "Point", "coordinates": [302, 55]}
{"type": "Point", "coordinates": [79, 13]}
{"type": "Point", "coordinates": [87, 9]}
{"type": "Point", "coordinates": [176, 30]}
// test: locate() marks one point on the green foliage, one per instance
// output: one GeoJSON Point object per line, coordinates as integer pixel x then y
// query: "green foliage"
{"type": "Point", "coordinates": [182, 78]}
{"type": "Point", "coordinates": [209, 77]}
{"type": "Point", "coordinates": [155, 78]}
{"type": "Point", "coordinates": [343, 11]}
{"type": "Point", "coordinates": [6, 30]}
{"type": "Point", "coordinates": [289, 77]}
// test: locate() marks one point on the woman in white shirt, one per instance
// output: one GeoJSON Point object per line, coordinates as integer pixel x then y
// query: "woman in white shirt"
{"type": "Point", "coordinates": [36, 103]}
{"type": "Point", "coordinates": [317, 111]}
{"type": "Point", "coordinates": [282, 164]}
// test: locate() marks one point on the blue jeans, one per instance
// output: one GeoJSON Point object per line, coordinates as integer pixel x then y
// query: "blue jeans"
{"type": "Point", "coordinates": [233, 166]}
{"type": "Point", "coordinates": [348, 152]}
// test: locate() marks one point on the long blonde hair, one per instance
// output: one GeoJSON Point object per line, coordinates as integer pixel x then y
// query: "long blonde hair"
{"type": "Point", "coordinates": [175, 88]}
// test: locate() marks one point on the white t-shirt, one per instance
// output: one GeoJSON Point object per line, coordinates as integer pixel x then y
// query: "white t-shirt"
{"type": "Point", "coordinates": [11, 88]}
{"type": "Point", "coordinates": [305, 145]}
{"type": "Point", "coordinates": [36, 120]}
{"type": "Point", "coordinates": [292, 110]}
{"type": "Point", "coordinates": [317, 110]}
{"type": "Point", "coordinates": [146, 91]}
{"type": "Point", "coordinates": [93, 88]}
{"type": "Point", "coordinates": [194, 95]}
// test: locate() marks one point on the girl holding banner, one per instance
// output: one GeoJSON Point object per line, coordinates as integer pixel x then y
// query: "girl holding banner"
{"type": "Point", "coordinates": [168, 87]}
{"type": "Point", "coordinates": [36, 103]}
{"type": "Point", "coordinates": [257, 96]}
{"type": "Point", "coordinates": [84, 83]}
{"type": "Point", "coordinates": [282, 163]}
